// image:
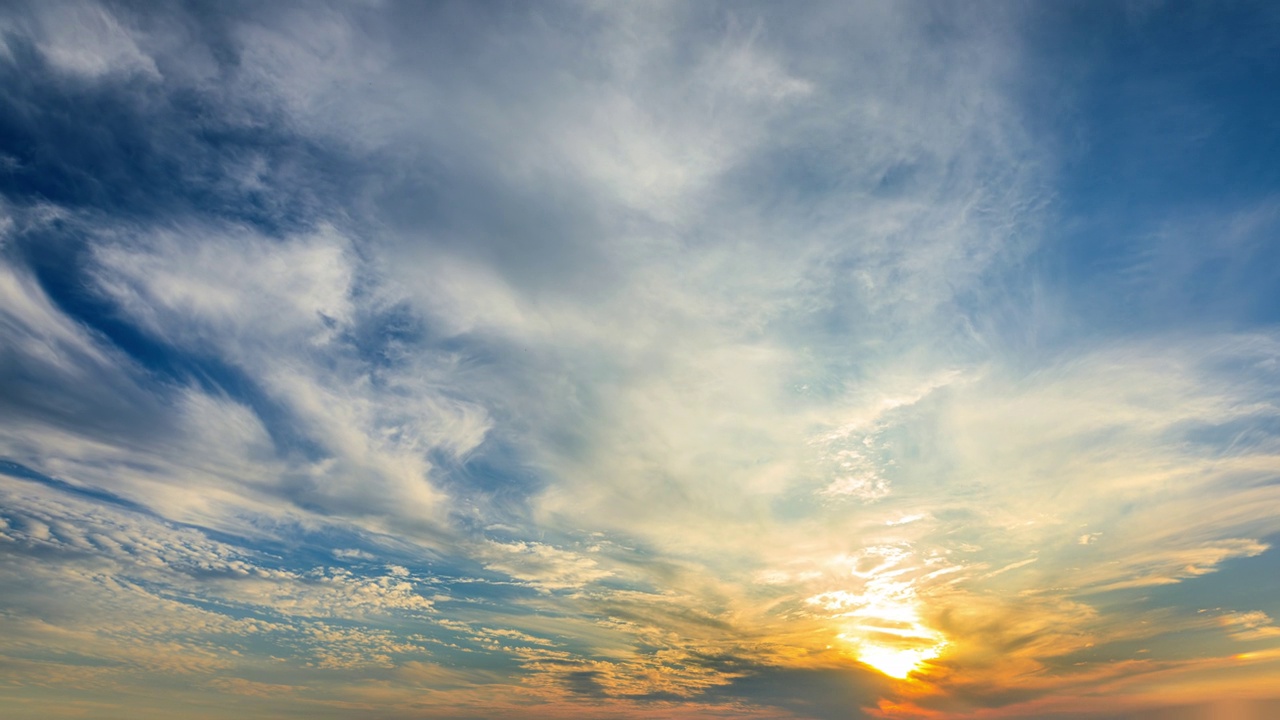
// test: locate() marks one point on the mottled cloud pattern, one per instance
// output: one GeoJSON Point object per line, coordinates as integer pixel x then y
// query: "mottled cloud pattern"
{"type": "Point", "coordinates": [639, 360]}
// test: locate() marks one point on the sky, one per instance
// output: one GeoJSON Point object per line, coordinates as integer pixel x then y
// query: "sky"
{"type": "Point", "coordinates": [640, 360]}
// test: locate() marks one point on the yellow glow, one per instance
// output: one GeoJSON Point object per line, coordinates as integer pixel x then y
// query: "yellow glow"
{"type": "Point", "coordinates": [896, 662]}
{"type": "Point", "coordinates": [879, 613]}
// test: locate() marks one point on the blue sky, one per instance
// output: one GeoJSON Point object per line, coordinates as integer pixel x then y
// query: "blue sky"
{"type": "Point", "coordinates": [639, 360]}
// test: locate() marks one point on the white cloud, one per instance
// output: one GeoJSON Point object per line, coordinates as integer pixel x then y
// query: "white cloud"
{"type": "Point", "coordinates": [542, 566]}
{"type": "Point", "coordinates": [285, 312]}
{"type": "Point", "coordinates": [120, 585]}
{"type": "Point", "coordinates": [87, 39]}
{"type": "Point", "coordinates": [229, 290]}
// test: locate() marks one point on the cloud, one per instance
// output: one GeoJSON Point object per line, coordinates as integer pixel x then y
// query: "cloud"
{"type": "Point", "coordinates": [90, 41]}
{"type": "Point", "coordinates": [270, 313]}
{"type": "Point", "coordinates": [543, 566]}
{"type": "Point", "coordinates": [1253, 625]}
{"type": "Point", "coordinates": [144, 549]}
{"type": "Point", "coordinates": [589, 359]}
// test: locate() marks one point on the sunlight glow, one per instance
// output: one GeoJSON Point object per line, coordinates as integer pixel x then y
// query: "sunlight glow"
{"type": "Point", "coordinates": [882, 617]}
{"type": "Point", "coordinates": [896, 662]}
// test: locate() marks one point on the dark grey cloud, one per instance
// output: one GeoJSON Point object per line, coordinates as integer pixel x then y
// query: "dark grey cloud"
{"type": "Point", "coordinates": [820, 693]}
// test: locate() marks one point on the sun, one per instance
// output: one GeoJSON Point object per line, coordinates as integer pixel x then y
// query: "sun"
{"type": "Point", "coordinates": [896, 662]}
{"type": "Point", "coordinates": [879, 614]}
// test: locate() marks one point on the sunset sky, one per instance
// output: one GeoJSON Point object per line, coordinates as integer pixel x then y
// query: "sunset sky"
{"type": "Point", "coordinates": [655, 360]}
